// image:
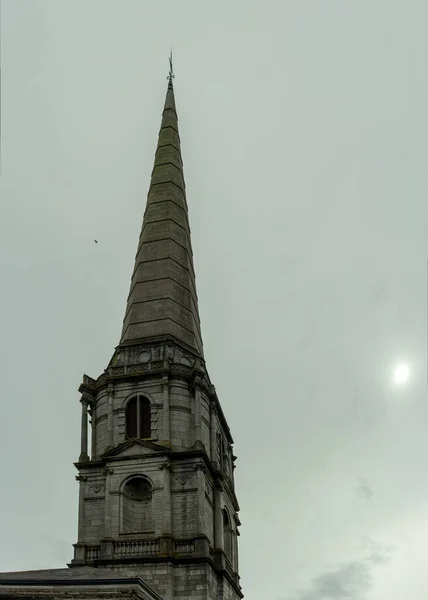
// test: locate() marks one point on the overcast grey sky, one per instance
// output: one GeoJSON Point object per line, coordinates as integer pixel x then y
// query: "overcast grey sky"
{"type": "Point", "coordinates": [304, 132]}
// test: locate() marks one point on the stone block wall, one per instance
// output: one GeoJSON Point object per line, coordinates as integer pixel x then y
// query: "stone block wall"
{"type": "Point", "coordinates": [94, 519]}
{"type": "Point", "coordinates": [185, 514]}
{"type": "Point", "coordinates": [181, 417]}
{"type": "Point", "coordinates": [182, 582]}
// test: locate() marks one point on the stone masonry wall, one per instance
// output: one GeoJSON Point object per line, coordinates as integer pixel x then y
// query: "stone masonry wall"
{"type": "Point", "coordinates": [182, 582]}
{"type": "Point", "coordinates": [181, 417]}
{"type": "Point", "coordinates": [185, 514]}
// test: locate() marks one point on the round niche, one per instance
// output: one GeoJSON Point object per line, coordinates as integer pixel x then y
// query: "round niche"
{"type": "Point", "coordinates": [138, 490]}
{"type": "Point", "coordinates": [144, 356]}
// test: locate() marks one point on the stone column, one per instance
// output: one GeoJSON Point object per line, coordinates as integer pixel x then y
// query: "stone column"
{"type": "Point", "coordinates": [110, 432]}
{"type": "Point", "coordinates": [93, 432]}
{"type": "Point", "coordinates": [84, 431]}
{"type": "Point", "coordinates": [197, 402]}
{"type": "Point", "coordinates": [213, 429]}
{"type": "Point", "coordinates": [166, 423]}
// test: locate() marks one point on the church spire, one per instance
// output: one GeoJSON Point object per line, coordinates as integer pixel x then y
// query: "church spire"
{"type": "Point", "coordinates": [162, 301]}
{"type": "Point", "coordinates": [157, 496]}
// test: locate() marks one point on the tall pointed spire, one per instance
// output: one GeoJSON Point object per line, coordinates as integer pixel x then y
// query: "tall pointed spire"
{"type": "Point", "coordinates": [162, 301]}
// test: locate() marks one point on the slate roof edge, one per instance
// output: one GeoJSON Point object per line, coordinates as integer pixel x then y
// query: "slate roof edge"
{"type": "Point", "coordinates": [128, 581]}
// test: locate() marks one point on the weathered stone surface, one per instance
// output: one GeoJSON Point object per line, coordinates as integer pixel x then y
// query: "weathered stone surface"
{"type": "Point", "coordinates": [165, 235]}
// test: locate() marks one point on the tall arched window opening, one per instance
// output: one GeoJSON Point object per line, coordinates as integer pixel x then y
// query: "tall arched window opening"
{"type": "Point", "coordinates": [138, 418]}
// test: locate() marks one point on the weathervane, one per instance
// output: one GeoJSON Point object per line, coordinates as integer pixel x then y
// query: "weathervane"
{"type": "Point", "coordinates": [171, 70]}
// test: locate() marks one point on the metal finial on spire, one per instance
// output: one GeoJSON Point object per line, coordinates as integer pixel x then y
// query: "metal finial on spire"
{"type": "Point", "coordinates": [171, 70]}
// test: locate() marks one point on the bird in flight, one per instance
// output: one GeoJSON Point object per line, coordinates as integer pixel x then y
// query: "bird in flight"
{"type": "Point", "coordinates": [96, 241]}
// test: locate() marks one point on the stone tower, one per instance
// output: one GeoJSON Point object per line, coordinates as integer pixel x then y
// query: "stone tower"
{"type": "Point", "coordinates": [157, 498]}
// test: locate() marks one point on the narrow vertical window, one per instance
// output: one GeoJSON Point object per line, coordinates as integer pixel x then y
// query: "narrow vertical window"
{"type": "Point", "coordinates": [145, 418]}
{"type": "Point", "coordinates": [138, 418]}
{"type": "Point", "coordinates": [227, 535]}
{"type": "Point", "coordinates": [131, 418]}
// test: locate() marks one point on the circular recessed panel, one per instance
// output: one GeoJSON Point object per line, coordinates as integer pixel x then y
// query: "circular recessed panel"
{"type": "Point", "coordinates": [144, 356]}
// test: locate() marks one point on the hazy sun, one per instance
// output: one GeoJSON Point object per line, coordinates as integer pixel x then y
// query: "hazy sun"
{"type": "Point", "coordinates": [401, 374]}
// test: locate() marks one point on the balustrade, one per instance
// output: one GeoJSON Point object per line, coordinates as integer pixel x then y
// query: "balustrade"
{"type": "Point", "coordinates": [92, 552]}
{"type": "Point", "coordinates": [135, 548]}
{"type": "Point", "coordinates": [185, 547]}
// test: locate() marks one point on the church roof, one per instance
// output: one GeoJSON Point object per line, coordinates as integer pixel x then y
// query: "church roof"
{"type": "Point", "coordinates": [162, 301]}
{"type": "Point", "coordinates": [11, 583]}
{"type": "Point", "coordinates": [77, 573]}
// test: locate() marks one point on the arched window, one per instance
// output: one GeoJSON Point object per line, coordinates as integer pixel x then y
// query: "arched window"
{"type": "Point", "coordinates": [227, 535]}
{"type": "Point", "coordinates": [137, 514]}
{"type": "Point", "coordinates": [138, 418]}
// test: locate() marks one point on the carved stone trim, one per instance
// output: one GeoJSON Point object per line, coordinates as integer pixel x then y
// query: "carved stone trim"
{"type": "Point", "coordinates": [178, 369]}
{"type": "Point", "coordinates": [200, 466]}
{"type": "Point", "coordinates": [101, 418]}
{"type": "Point", "coordinates": [182, 479]}
{"type": "Point", "coordinates": [96, 487]}
{"type": "Point", "coordinates": [178, 408]}
{"type": "Point", "coordinates": [142, 368]}
{"type": "Point", "coordinates": [165, 465]}
{"type": "Point", "coordinates": [81, 478]}
{"type": "Point", "coordinates": [84, 400]}
{"type": "Point", "coordinates": [116, 370]}
{"type": "Point", "coordinates": [157, 365]}
{"type": "Point", "coordinates": [145, 356]}
{"type": "Point", "coordinates": [197, 382]}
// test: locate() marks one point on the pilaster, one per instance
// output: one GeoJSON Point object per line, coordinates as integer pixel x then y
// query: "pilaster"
{"type": "Point", "coordinates": [213, 431]}
{"type": "Point", "coordinates": [197, 411]}
{"type": "Point", "coordinates": [202, 502]}
{"type": "Point", "coordinates": [108, 472]}
{"type": "Point", "coordinates": [166, 418]}
{"type": "Point", "coordinates": [167, 509]}
{"type": "Point", "coordinates": [110, 425]}
{"type": "Point", "coordinates": [81, 522]}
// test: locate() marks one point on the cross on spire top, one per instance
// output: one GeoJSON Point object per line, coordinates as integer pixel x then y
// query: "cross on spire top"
{"type": "Point", "coordinates": [171, 70]}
